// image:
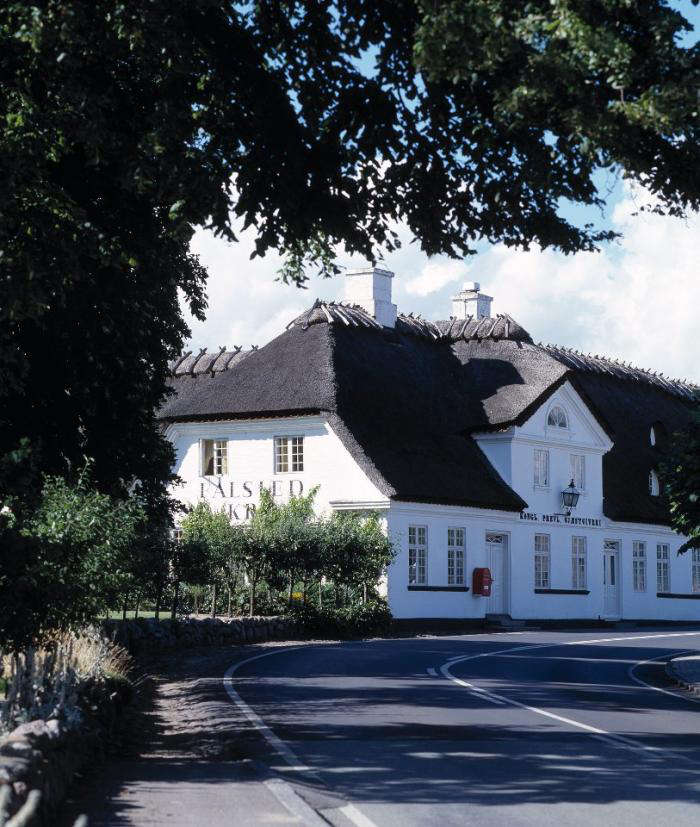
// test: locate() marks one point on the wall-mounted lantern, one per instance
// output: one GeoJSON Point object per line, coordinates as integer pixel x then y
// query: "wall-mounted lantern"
{"type": "Point", "coordinates": [569, 497]}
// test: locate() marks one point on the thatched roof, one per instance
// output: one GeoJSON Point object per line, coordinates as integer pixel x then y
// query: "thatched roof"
{"type": "Point", "coordinates": [404, 401]}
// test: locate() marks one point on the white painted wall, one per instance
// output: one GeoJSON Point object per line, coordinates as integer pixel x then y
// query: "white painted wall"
{"type": "Point", "coordinates": [327, 464]}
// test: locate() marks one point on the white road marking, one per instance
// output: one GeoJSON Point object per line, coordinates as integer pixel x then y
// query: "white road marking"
{"type": "Point", "coordinates": [672, 693]}
{"type": "Point", "coordinates": [290, 757]}
{"type": "Point", "coordinates": [431, 671]}
{"type": "Point", "coordinates": [596, 732]}
{"type": "Point", "coordinates": [293, 802]}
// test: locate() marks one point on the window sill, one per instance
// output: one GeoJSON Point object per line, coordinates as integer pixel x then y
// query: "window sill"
{"type": "Point", "coordinates": [674, 595]}
{"type": "Point", "coordinates": [562, 591]}
{"type": "Point", "coordinates": [416, 588]}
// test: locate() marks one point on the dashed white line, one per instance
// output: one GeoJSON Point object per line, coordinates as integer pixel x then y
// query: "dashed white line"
{"type": "Point", "coordinates": [601, 734]}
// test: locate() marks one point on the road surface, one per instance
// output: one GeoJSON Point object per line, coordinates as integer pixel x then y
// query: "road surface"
{"type": "Point", "coordinates": [509, 729]}
{"type": "Point", "coordinates": [536, 728]}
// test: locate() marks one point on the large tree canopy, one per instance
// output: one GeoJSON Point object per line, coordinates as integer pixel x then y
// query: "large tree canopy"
{"type": "Point", "coordinates": [127, 123]}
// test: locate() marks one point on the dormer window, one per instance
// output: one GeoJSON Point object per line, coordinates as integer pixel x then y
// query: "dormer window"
{"type": "Point", "coordinates": [556, 418]}
{"type": "Point", "coordinates": [652, 436]}
{"type": "Point", "coordinates": [657, 435]}
{"type": "Point", "coordinates": [653, 483]}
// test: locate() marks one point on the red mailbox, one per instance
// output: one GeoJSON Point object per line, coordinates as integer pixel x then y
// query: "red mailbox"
{"type": "Point", "coordinates": [481, 582]}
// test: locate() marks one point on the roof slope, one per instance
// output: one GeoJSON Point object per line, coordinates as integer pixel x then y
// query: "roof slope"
{"type": "Point", "coordinates": [405, 401]}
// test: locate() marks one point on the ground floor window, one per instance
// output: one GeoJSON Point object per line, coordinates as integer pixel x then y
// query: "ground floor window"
{"type": "Point", "coordinates": [417, 555]}
{"type": "Point", "coordinates": [542, 561]}
{"type": "Point", "coordinates": [663, 570]}
{"type": "Point", "coordinates": [696, 569]}
{"type": "Point", "coordinates": [455, 556]}
{"type": "Point", "coordinates": [639, 566]}
{"type": "Point", "coordinates": [578, 563]}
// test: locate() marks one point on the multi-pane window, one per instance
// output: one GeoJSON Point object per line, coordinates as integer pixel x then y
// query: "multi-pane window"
{"type": "Point", "coordinates": [663, 570]}
{"type": "Point", "coordinates": [696, 569]}
{"type": "Point", "coordinates": [455, 556]}
{"type": "Point", "coordinates": [653, 483]}
{"type": "Point", "coordinates": [557, 418]}
{"type": "Point", "coordinates": [541, 468]}
{"type": "Point", "coordinates": [542, 562]}
{"type": "Point", "coordinates": [639, 566]}
{"type": "Point", "coordinates": [289, 454]}
{"type": "Point", "coordinates": [417, 555]}
{"type": "Point", "coordinates": [578, 470]}
{"type": "Point", "coordinates": [578, 562]}
{"type": "Point", "coordinates": [214, 457]}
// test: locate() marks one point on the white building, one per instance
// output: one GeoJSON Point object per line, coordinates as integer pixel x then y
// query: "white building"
{"type": "Point", "coordinates": [464, 434]}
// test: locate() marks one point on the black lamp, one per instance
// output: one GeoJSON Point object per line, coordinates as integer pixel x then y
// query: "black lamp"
{"type": "Point", "coordinates": [569, 497]}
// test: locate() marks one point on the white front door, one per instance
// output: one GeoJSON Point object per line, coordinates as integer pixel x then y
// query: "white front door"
{"type": "Point", "coordinates": [611, 579]}
{"type": "Point", "coordinates": [496, 560]}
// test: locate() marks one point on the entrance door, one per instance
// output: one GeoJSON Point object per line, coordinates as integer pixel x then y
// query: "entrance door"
{"type": "Point", "coordinates": [611, 579]}
{"type": "Point", "coordinates": [496, 550]}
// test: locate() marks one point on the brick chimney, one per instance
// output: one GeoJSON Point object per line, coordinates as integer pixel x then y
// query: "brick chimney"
{"type": "Point", "coordinates": [371, 289]}
{"type": "Point", "coordinates": [470, 302]}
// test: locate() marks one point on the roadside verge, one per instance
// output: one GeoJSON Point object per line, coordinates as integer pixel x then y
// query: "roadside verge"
{"type": "Point", "coordinates": [685, 671]}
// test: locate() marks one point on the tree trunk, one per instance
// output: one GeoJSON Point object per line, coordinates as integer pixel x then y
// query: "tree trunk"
{"type": "Point", "coordinates": [176, 595]}
{"type": "Point", "coordinates": [195, 594]}
{"type": "Point", "coordinates": [291, 588]}
{"type": "Point", "coordinates": [303, 591]}
{"type": "Point", "coordinates": [213, 600]}
{"type": "Point", "coordinates": [136, 610]}
{"type": "Point", "coordinates": [336, 594]}
{"type": "Point", "coordinates": [159, 597]}
{"type": "Point", "coordinates": [124, 610]}
{"type": "Point", "coordinates": [364, 592]}
{"type": "Point", "coordinates": [320, 594]}
{"type": "Point", "coordinates": [229, 601]}
{"type": "Point", "coordinates": [253, 586]}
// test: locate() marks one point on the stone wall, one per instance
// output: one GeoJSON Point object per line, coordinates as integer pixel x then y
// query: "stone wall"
{"type": "Point", "coordinates": [39, 759]}
{"type": "Point", "coordinates": [146, 635]}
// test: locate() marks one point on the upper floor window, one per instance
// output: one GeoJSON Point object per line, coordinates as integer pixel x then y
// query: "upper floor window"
{"type": "Point", "coordinates": [653, 483]}
{"type": "Point", "coordinates": [578, 471]}
{"type": "Point", "coordinates": [657, 435]}
{"type": "Point", "coordinates": [289, 454]}
{"type": "Point", "coordinates": [556, 418]}
{"type": "Point", "coordinates": [214, 457]}
{"type": "Point", "coordinates": [455, 556]}
{"type": "Point", "coordinates": [652, 435]}
{"type": "Point", "coordinates": [541, 468]}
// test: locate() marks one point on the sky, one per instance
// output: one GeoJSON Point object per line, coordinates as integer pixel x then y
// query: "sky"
{"type": "Point", "coordinates": [638, 299]}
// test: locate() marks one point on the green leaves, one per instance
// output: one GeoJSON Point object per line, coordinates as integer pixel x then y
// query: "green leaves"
{"type": "Point", "coordinates": [681, 481]}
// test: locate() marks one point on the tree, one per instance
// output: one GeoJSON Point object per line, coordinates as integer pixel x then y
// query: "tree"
{"type": "Point", "coordinates": [681, 478]}
{"type": "Point", "coordinates": [213, 531]}
{"type": "Point", "coordinates": [68, 564]}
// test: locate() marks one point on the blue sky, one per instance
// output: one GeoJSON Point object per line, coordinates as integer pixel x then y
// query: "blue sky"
{"type": "Point", "coordinates": [637, 299]}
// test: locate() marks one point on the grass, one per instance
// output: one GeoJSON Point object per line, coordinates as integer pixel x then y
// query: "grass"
{"type": "Point", "coordinates": [116, 614]}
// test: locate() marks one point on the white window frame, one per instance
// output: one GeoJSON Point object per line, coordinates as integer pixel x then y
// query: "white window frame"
{"type": "Point", "coordinates": [639, 566]}
{"type": "Point", "coordinates": [654, 488]}
{"type": "Point", "coordinates": [578, 475]}
{"type": "Point", "coordinates": [540, 458]}
{"type": "Point", "coordinates": [663, 567]}
{"type": "Point", "coordinates": [579, 563]}
{"type": "Point", "coordinates": [288, 454]}
{"type": "Point", "coordinates": [456, 556]}
{"type": "Point", "coordinates": [543, 561]}
{"type": "Point", "coordinates": [218, 456]}
{"type": "Point", "coordinates": [695, 570]}
{"type": "Point", "coordinates": [558, 409]}
{"type": "Point", "coordinates": [417, 555]}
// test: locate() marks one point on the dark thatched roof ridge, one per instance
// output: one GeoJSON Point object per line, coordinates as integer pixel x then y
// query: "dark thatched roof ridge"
{"type": "Point", "coordinates": [405, 401]}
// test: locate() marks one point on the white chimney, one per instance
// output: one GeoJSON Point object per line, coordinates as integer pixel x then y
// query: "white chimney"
{"type": "Point", "coordinates": [371, 289]}
{"type": "Point", "coordinates": [470, 302]}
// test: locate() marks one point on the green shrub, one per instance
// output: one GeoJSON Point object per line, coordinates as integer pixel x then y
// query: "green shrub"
{"type": "Point", "coordinates": [358, 621]}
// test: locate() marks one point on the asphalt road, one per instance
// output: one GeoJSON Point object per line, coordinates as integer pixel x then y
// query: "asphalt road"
{"type": "Point", "coordinates": [533, 728]}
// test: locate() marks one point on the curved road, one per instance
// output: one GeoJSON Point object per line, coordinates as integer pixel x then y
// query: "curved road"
{"type": "Point", "coordinates": [531, 728]}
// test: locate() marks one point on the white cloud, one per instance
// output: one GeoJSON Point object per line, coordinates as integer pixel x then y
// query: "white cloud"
{"type": "Point", "coordinates": [637, 300]}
